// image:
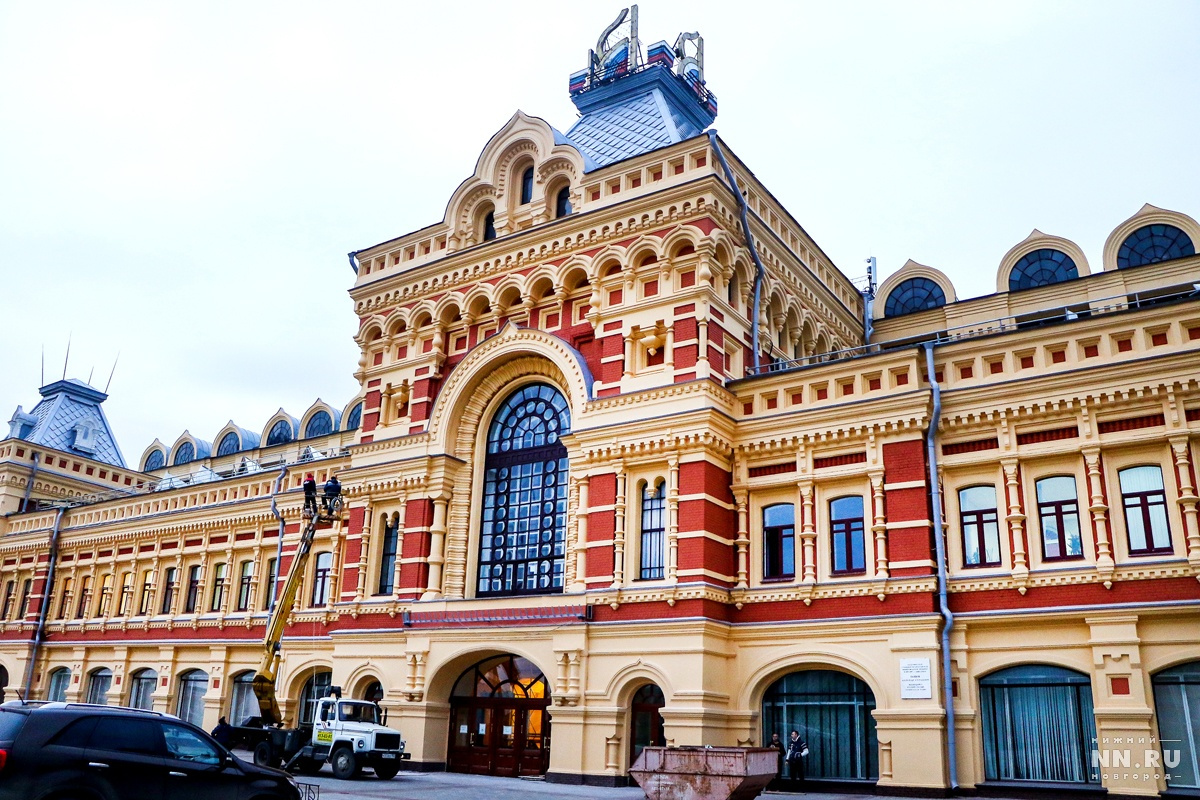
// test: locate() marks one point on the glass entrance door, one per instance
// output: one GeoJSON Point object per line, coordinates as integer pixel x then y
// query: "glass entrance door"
{"type": "Point", "coordinates": [498, 720]}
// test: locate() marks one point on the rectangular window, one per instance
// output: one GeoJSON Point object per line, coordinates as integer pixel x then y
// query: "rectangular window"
{"type": "Point", "coordinates": [1145, 503]}
{"type": "Point", "coordinates": [25, 589]}
{"type": "Point", "coordinates": [320, 590]}
{"type": "Point", "coordinates": [218, 588]}
{"type": "Point", "coordinates": [846, 536]}
{"type": "Point", "coordinates": [779, 542]}
{"type": "Point", "coordinates": [85, 597]}
{"type": "Point", "coordinates": [126, 594]}
{"type": "Point", "coordinates": [64, 601]}
{"type": "Point", "coordinates": [980, 526]}
{"type": "Point", "coordinates": [245, 581]}
{"type": "Point", "coordinates": [653, 531]}
{"type": "Point", "coordinates": [193, 590]}
{"type": "Point", "coordinates": [1058, 510]}
{"type": "Point", "coordinates": [272, 578]}
{"type": "Point", "coordinates": [170, 586]}
{"type": "Point", "coordinates": [387, 556]}
{"type": "Point", "coordinates": [10, 594]}
{"type": "Point", "coordinates": [147, 594]}
{"type": "Point", "coordinates": [106, 589]}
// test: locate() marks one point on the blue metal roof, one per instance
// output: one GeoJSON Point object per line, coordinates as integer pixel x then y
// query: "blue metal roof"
{"type": "Point", "coordinates": [69, 418]}
{"type": "Point", "coordinates": [636, 113]}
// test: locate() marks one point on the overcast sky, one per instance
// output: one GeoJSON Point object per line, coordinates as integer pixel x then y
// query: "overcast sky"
{"type": "Point", "coordinates": [181, 182]}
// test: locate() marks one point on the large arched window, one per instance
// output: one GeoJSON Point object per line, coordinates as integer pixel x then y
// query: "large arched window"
{"type": "Point", "coordinates": [141, 689]}
{"type": "Point", "coordinates": [60, 679]}
{"type": "Point", "coordinates": [281, 433]}
{"type": "Point", "coordinates": [832, 712]}
{"type": "Point", "coordinates": [1153, 243]}
{"type": "Point", "coordinates": [319, 424]}
{"type": "Point", "coordinates": [314, 689]}
{"type": "Point", "coordinates": [645, 721]}
{"type": "Point", "coordinates": [193, 685]}
{"type": "Point", "coordinates": [99, 682]}
{"type": "Point", "coordinates": [1037, 724]}
{"type": "Point", "coordinates": [230, 444]}
{"type": "Point", "coordinates": [156, 460]}
{"type": "Point", "coordinates": [521, 540]}
{"type": "Point", "coordinates": [184, 453]}
{"type": "Point", "coordinates": [354, 418]}
{"type": "Point", "coordinates": [527, 185]}
{"type": "Point", "coordinates": [1041, 268]}
{"type": "Point", "coordinates": [1177, 704]}
{"type": "Point", "coordinates": [242, 702]}
{"type": "Point", "coordinates": [913, 294]}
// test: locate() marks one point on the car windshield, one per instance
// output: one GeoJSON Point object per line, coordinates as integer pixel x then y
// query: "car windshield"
{"type": "Point", "coordinates": [358, 712]}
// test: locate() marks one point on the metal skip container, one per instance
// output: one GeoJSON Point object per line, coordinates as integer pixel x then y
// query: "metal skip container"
{"type": "Point", "coordinates": [704, 773]}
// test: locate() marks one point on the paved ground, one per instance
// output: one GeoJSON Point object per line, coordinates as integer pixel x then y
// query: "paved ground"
{"type": "Point", "coordinates": [450, 786]}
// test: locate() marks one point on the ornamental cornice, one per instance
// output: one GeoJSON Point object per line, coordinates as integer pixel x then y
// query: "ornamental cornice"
{"type": "Point", "coordinates": [712, 391]}
{"type": "Point", "coordinates": [1084, 575]}
{"type": "Point", "coordinates": [449, 273]}
{"type": "Point", "coordinates": [706, 441]}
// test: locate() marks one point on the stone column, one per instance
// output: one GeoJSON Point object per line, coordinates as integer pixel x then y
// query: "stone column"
{"type": "Point", "coordinates": [1181, 449]}
{"type": "Point", "coordinates": [672, 515]}
{"type": "Point", "coordinates": [742, 543]}
{"type": "Point", "coordinates": [879, 525]}
{"type": "Point", "coordinates": [1098, 506]}
{"type": "Point", "coordinates": [364, 545]}
{"type": "Point", "coordinates": [808, 532]}
{"type": "Point", "coordinates": [1016, 520]}
{"type": "Point", "coordinates": [619, 528]}
{"type": "Point", "coordinates": [437, 547]}
{"type": "Point", "coordinates": [581, 530]}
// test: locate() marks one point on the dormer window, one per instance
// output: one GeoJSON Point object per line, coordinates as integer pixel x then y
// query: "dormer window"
{"type": "Point", "coordinates": [527, 186]}
{"type": "Point", "coordinates": [562, 202]}
{"type": "Point", "coordinates": [489, 226]}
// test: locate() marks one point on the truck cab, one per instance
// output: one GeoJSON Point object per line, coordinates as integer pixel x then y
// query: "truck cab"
{"type": "Point", "coordinates": [352, 734]}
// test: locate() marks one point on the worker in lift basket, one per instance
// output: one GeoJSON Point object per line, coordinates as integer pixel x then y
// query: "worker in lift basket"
{"type": "Point", "coordinates": [333, 489]}
{"type": "Point", "coordinates": [310, 495]}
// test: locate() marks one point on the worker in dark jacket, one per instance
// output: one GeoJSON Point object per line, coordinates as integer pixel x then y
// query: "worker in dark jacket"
{"type": "Point", "coordinates": [797, 750]}
{"type": "Point", "coordinates": [333, 488]}
{"type": "Point", "coordinates": [310, 495]}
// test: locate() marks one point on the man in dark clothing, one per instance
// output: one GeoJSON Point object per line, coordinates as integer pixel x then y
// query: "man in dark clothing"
{"type": "Point", "coordinates": [333, 488]}
{"type": "Point", "coordinates": [223, 732]}
{"type": "Point", "coordinates": [780, 748]}
{"type": "Point", "coordinates": [310, 495]}
{"type": "Point", "coordinates": [797, 749]}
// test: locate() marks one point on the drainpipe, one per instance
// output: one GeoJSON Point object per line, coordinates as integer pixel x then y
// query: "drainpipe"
{"type": "Point", "coordinates": [37, 457]}
{"type": "Point", "coordinates": [939, 540]}
{"type": "Point", "coordinates": [759, 271]}
{"type": "Point", "coordinates": [279, 539]}
{"type": "Point", "coordinates": [353, 257]}
{"type": "Point", "coordinates": [40, 633]}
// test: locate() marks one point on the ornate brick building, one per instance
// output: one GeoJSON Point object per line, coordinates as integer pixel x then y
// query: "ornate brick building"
{"type": "Point", "coordinates": [632, 461]}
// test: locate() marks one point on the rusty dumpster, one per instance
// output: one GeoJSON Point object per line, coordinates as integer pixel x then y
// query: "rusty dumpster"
{"type": "Point", "coordinates": [704, 773]}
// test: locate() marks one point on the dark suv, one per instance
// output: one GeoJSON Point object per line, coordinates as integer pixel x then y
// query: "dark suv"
{"type": "Point", "coordinates": [74, 751]}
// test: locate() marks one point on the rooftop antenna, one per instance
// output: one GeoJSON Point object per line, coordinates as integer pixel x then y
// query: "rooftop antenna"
{"type": "Point", "coordinates": [43, 383]}
{"type": "Point", "coordinates": [114, 369]}
{"type": "Point", "coordinates": [91, 372]}
{"type": "Point", "coordinates": [67, 357]}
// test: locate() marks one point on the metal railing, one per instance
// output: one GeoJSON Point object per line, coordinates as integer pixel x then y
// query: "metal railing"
{"type": "Point", "coordinates": [975, 330]}
{"type": "Point", "coordinates": [606, 75]}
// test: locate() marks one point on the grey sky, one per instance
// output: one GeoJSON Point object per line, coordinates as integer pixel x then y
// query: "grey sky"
{"type": "Point", "coordinates": [181, 182]}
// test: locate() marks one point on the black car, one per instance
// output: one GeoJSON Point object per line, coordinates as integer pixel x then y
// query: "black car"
{"type": "Point", "coordinates": [75, 751]}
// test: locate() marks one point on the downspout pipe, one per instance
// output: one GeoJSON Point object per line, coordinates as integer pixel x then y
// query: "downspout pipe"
{"type": "Point", "coordinates": [278, 539]}
{"type": "Point", "coordinates": [37, 458]}
{"type": "Point", "coordinates": [935, 492]}
{"type": "Point", "coordinates": [43, 611]}
{"type": "Point", "coordinates": [759, 271]}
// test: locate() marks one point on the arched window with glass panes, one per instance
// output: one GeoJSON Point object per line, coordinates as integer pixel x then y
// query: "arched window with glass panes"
{"type": "Point", "coordinates": [229, 444]}
{"type": "Point", "coordinates": [1153, 243]}
{"type": "Point", "coordinates": [912, 295]}
{"type": "Point", "coordinates": [319, 424]}
{"type": "Point", "coordinates": [1041, 268]}
{"type": "Point", "coordinates": [522, 533]}
{"type": "Point", "coordinates": [184, 453]}
{"type": "Point", "coordinates": [354, 418]}
{"type": "Point", "coordinates": [154, 461]}
{"type": "Point", "coordinates": [527, 185]}
{"type": "Point", "coordinates": [281, 433]}
{"type": "Point", "coordinates": [653, 531]}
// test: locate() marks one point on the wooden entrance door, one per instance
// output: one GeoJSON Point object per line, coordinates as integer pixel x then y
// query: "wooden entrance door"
{"type": "Point", "coordinates": [499, 721]}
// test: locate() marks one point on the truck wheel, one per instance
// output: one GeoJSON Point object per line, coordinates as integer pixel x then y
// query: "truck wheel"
{"type": "Point", "coordinates": [386, 771]}
{"type": "Point", "coordinates": [263, 755]}
{"type": "Point", "coordinates": [345, 765]}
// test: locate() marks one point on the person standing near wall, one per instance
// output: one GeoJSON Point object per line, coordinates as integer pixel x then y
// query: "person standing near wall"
{"type": "Point", "coordinates": [797, 749]}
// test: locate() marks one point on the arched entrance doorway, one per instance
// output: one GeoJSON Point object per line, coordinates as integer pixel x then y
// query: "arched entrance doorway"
{"type": "Point", "coordinates": [498, 719]}
{"type": "Point", "coordinates": [645, 721]}
{"type": "Point", "coordinates": [1037, 724]}
{"type": "Point", "coordinates": [832, 712]}
{"type": "Point", "coordinates": [1177, 704]}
